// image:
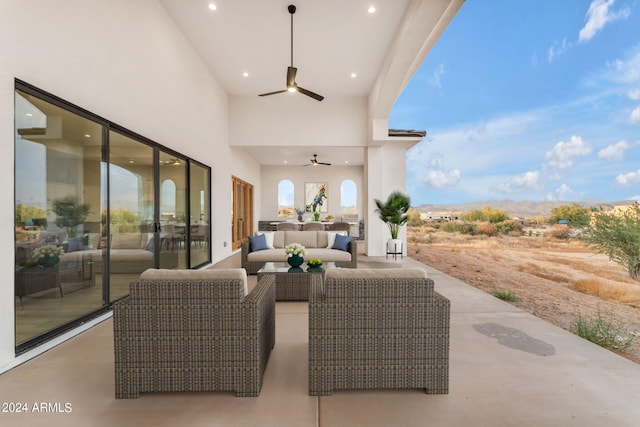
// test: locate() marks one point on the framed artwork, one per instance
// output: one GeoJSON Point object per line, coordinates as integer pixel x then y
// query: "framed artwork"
{"type": "Point", "coordinates": [316, 197]}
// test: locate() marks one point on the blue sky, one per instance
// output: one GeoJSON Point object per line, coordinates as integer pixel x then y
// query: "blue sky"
{"type": "Point", "coordinates": [528, 100]}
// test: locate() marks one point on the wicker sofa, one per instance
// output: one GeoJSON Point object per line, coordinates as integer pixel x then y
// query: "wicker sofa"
{"type": "Point", "coordinates": [193, 330]}
{"type": "Point", "coordinates": [377, 329]}
{"type": "Point", "coordinates": [315, 242]}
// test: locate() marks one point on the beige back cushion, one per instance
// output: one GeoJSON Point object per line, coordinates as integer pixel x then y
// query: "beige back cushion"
{"type": "Point", "coordinates": [152, 274]}
{"type": "Point", "coordinates": [381, 273]}
{"type": "Point", "coordinates": [278, 239]}
{"type": "Point", "coordinates": [308, 239]}
{"type": "Point", "coordinates": [127, 241]}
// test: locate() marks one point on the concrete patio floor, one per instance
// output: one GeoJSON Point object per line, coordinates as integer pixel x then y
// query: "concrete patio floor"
{"type": "Point", "coordinates": [508, 368]}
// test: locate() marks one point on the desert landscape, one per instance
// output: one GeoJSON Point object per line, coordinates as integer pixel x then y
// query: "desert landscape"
{"type": "Point", "coordinates": [559, 280]}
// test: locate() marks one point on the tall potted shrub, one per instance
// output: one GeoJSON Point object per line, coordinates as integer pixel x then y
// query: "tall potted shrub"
{"type": "Point", "coordinates": [393, 212]}
{"type": "Point", "coordinates": [70, 213]}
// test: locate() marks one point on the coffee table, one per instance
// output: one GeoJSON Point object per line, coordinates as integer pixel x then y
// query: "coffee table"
{"type": "Point", "coordinates": [292, 284]}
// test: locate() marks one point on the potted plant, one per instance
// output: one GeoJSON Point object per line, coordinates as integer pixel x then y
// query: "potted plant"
{"type": "Point", "coordinates": [300, 212]}
{"type": "Point", "coordinates": [70, 213]}
{"type": "Point", "coordinates": [393, 212]}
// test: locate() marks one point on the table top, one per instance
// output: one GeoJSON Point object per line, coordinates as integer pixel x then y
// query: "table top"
{"type": "Point", "coordinates": [283, 267]}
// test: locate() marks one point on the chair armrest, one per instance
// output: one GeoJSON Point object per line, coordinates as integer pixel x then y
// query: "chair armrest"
{"type": "Point", "coordinates": [244, 254]}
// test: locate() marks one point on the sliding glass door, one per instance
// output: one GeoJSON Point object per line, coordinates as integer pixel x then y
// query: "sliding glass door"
{"type": "Point", "coordinates": [96, 205]}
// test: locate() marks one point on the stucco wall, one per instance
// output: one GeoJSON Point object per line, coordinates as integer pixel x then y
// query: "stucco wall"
{"type": "Point", "coordinates": [127, 62]}
{"type": "Point", "coordinates": [332, 175]}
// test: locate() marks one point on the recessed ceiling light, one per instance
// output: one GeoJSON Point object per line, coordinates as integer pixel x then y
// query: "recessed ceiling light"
{"type": "Point", "coordinates": [284, 161]}
{"type": "Point", "coordinates": [354, 75]}
{"type": "Point", "coordinates": [346, 161]}
{"type": "Point", "coordinates": [245, 74]}
{"type": "Point", "coordinates": [86, 135]}
{"type": "Point", "coordinates": [212, 6]}
{"type": "Point", "coordinates": [371, 9]}
{"type": "Point", "coordinates": [29, 115]}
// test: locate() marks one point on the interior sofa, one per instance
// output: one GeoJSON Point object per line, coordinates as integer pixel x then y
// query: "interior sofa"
{"type": "Point", "coordinates": [377, 329]}
{"type": "Point", "coordinates": [193, 330]}
{"type": "Point", "coordinates": [316, 243]}
{"type": "Point", "coordinates": [131, 253]}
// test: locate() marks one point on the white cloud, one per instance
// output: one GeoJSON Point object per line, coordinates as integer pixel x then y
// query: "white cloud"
{"type": "Point", "coordinates": [563, 191]}
{"type": "Point", "coordinates": [598, 16]}
{"type": "Point", "coordinates": [563, 153]}
{"type": "Point", "coordinates": [442, 178]}
{"type": "Point", "coordinates": [634, 94]}
{"type": "Point", "coordinates": [558, 49]}
{"type": "Point", "coordinates": [525, 182]}
{"type": "Point", "coordinates": [630, 178]}
{"type": "Point", "coordinates": [614, 151]}
{"type": "Point", "coordinates": [436, 78]}
{"type": "Point", "coordinates": [634, 118]}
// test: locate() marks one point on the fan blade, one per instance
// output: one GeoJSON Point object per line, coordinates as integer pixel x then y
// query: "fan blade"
{"type": "Point", "coordinates": [311, 94]}
{"type": "Point", "coordinates": [326, 164]}
{"type": "Point", "coordinates": [273, 93]}
{"type": "Point", "coordinates": [291, 76]}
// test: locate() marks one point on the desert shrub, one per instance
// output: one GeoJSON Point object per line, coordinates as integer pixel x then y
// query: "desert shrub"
{"type": "Point", "coordinates": [603, 330]}
{"type": "Point", "coordinates": [486, 213]}
{"type": "Point", "coordinates": [413, 218]}
{"type": "Point", "coordinates": [575, 215]}
{"type": "Point", "coordinates": [509, 227]}
{"type": "Point", "coordinates": [559, 231]}
{"type": "Point", "coordinates": [486, 228]}
{"type": "Point", "coordinates": [458, 227]}
{"type": "Point", "coordinates": [618, 236]}
{"type": "Point", "coordinates": [505, 295]}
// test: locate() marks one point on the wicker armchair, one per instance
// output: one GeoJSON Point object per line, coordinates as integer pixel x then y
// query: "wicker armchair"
{"type": "Point", "coordinates": [186, 330]}
{"type": "Point", "coordinates": [377, 329]}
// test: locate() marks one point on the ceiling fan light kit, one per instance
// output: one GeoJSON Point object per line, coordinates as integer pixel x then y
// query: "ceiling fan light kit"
{"type": "Point", "coordinates": [292, 86]}
{"type": "Point", "coordinates": [314, 162]}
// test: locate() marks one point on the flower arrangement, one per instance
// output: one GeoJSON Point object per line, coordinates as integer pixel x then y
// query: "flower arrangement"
{"type": "Point", "coordinates": [295, 249]}
{"type": "Point", "coordinates": [46, 251]}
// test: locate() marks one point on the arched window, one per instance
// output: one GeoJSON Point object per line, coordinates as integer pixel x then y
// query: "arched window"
{"type": "Point", "coordinates": [285, 199]}
{"type": "Point", "coordinates": [168, 200]}
{"type": "Point", "coordinates": [348, 198]}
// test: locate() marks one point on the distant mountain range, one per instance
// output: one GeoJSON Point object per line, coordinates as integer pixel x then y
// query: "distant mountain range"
{"type": "Point", "coordinates": [522, 209]}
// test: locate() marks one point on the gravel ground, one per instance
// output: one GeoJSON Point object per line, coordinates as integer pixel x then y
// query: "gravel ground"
{"type": "Point", "coordinates": [540, 272]}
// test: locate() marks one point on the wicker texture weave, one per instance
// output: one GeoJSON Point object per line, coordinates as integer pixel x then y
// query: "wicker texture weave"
{"type": "Point", "coordinates": [377, 333]}
{"type": "Point", "coordinates": [200, 335]}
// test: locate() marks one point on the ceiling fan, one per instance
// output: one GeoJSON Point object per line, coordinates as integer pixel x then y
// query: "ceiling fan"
{"type": "Point", "coordinates": [292, 86]}
{"type": "Point", "coordinates": [314, 162]}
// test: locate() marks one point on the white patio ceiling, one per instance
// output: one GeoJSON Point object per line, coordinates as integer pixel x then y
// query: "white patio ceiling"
{"type": "Point", "coordinates": [332, 40]}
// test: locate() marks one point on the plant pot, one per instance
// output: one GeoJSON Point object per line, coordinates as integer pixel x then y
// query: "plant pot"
{"type": "Point", "coordinates": [48, 261]}
{"type": "Point", "coordinates": [295, 260]}
{"type": "Point", "coordinates": [394, 246]}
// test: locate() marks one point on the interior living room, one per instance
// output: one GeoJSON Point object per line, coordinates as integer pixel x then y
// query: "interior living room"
{"type": "Point", "coordinates": [165, 133]}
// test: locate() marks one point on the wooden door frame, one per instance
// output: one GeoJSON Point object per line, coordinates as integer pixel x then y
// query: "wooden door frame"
{"type": "Point", "coordinates": [242, 222]}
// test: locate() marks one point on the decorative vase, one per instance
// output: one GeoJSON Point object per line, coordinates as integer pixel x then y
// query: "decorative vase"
{"type": "Point", "coordinates": [48, 261]}
{"type": "Point", "coordinates": [295, 260]}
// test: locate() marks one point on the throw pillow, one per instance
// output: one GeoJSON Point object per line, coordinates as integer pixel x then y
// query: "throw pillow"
{"type": "Point", "coordinates": [257, 243]}
{"type": "Point", "coordinates": [268, 235]}
{"type": "Point", "coordinates": [331, 237]}
{"type": "Point", "coordinates": [342, 242]}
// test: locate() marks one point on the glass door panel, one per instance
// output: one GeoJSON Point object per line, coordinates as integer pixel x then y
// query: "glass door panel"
{"type": "Point", "coordinates": [58, 199]}
{"type": "Point", "coordinates": [131, 226]}
{"type": "Point", "coordinates": [173, 211]}
{"type": "Point", "coordinates": [199, 207]}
